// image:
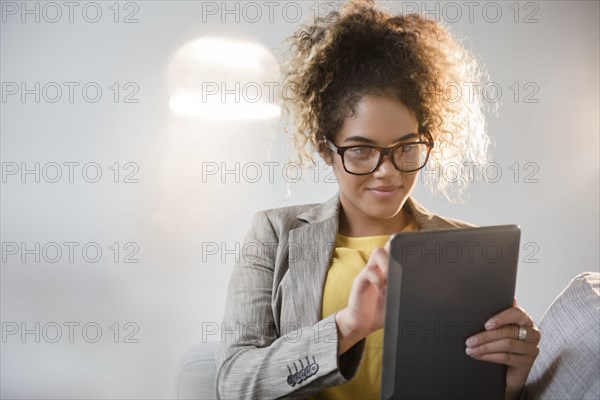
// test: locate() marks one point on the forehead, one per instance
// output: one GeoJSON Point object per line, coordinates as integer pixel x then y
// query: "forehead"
{"type": "Point", "coordinates": [381, 119]}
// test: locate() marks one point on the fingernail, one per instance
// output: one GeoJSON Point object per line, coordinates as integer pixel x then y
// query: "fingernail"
{"type": "Point", "coordinates": [490, 325]}
{"type": "Point", "coordinates": [469, 351]}
{"type": "Point", "coordinates": [470, 341]}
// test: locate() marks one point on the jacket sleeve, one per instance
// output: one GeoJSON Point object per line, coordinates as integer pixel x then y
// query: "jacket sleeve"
{"type": "Point", "coordinates": [254, 360]}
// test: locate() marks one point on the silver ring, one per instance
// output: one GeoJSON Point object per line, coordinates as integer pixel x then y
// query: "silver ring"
{"type": "Point", "coordinates": [522, 332]}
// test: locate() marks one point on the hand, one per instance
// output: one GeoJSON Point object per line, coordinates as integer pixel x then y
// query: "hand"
{"type": "Point", "coordinates": [499, 343]}
{"type": "Point", "coordinates": [364, 313]}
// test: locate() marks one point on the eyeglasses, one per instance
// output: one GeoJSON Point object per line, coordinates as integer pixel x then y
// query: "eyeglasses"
{"type": "Point", "coordinates": [364, 159]}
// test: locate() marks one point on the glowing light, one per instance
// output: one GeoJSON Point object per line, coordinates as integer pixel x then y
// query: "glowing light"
{"type": "Point", "coordinates": [205, 67]}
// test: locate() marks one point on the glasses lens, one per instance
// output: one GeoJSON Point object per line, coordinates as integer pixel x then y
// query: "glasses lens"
{"type": "Point", "coordinates": [361, 160]}
{"type": "Point", "coordinates": [411, 157]}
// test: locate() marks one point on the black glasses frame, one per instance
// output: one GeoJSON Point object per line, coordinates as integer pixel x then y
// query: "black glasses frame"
{"type": "Point", "coordinates": [383, 151]}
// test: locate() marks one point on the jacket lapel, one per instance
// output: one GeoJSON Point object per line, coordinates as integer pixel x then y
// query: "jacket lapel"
{"type": "Point", "coordinates": [310, 250]}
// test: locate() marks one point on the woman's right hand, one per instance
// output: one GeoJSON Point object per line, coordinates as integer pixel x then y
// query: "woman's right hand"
{"type": "Point", "coordinates": [364, 313]}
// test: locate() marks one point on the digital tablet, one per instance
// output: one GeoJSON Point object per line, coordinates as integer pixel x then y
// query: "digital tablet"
{"type": "Point", "coordinates": [442, 287]}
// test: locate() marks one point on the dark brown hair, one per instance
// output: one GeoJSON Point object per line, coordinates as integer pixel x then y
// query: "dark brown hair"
{"type": "Point", "coordinates": [361, 50]}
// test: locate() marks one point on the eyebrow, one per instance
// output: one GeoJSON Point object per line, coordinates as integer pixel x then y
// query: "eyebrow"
{"type": "Point", "coordinates": [371, 141]}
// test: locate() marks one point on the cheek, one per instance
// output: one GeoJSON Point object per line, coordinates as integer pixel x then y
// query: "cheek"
{"type": "Point", "coordinates": [347, 182]}
{"type": "Point", "coordinates": [410, 180]}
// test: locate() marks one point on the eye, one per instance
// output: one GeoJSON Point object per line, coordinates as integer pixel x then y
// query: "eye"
{"type": "Point", "coordinates": [360, 152]}
{"type": "Point", "coordinates": [406, 148]}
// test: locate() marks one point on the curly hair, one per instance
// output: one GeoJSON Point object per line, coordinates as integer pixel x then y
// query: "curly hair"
{"type": "Point", "coordinates": [361, 50]}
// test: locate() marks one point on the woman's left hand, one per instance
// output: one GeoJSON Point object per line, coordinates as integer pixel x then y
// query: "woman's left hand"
{"type": "Point", "coordinates": [500, 343]}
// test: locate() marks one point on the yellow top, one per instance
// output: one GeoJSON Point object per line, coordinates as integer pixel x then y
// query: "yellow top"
{"type": "Point", "coordinates": [349, 257]}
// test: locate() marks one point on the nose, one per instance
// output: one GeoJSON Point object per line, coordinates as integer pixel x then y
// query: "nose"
{"type": "Point", "coordinates": [386, 168]}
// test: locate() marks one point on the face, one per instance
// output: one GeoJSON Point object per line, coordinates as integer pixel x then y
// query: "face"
{"type": "Point", "coordinates": [379, 196]}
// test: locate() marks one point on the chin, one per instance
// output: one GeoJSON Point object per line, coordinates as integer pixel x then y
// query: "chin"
{"type": "Point", "coordinates": [389, 207]}
{"type": "Point", "coordinates": [377, 208]}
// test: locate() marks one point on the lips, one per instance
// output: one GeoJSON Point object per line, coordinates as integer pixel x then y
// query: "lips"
{"type": "Point", "coordinates": [384, 188]}
{"type": "Point", "coordinates": [384, 192]}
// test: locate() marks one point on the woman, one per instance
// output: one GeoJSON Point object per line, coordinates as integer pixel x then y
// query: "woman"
{"type": "Point", "coordinates": [304, 313]}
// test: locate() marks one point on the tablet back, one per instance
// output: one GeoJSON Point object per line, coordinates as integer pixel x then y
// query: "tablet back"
{"type": "Point", "coordinates": [442, 287]}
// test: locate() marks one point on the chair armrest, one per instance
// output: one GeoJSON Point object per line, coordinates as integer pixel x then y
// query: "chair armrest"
{"type": "Point", "coordinates": [568, 365]}
{"type": "Point", "coordinates": [196, 372]}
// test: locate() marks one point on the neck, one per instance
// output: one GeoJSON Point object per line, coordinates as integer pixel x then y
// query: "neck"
{"type": "Point", "coordinates": [355, 223]}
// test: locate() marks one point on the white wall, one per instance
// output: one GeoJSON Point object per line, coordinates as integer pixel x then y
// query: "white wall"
{"type": "Point", "coordinates": [170, 216]}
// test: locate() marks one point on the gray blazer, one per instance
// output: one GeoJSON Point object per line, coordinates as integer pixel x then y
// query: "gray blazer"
{"type": "Point", "coordinates": [274, 342]}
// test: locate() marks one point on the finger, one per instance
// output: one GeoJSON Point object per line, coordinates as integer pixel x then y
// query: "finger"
{"type": "Point", "coordinates": [511, 360]}
{"type": "Point", "coordinates": [514, 301]}
{"type": "Point", "coordinates": [371, 275]}
{"type": "Point", "coordinates": [506, 332]}
{"type": "Point", "coordinates": [506, 345]}
{"type": "Point", "coordinates": [374, 276]}
{"type": "Point", "coordinates": [379, 258]}
{"type": "Point", "coordinates": [512, 315]}
{"type": "Point", "coordinates": [510, 331]}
